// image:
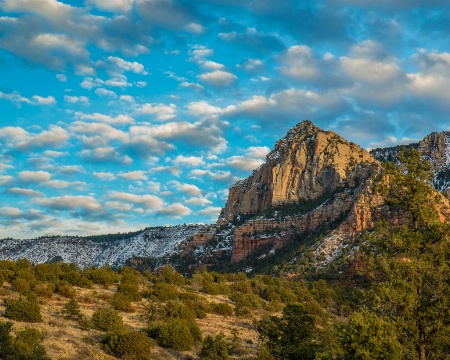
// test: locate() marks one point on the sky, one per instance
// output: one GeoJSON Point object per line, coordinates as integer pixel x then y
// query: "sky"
{"type": "Point", "coordinates": [116, 115]}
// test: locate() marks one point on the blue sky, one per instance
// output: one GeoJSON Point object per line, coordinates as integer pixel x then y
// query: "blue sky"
{"type": "Point", "coordinates": [116, 115]}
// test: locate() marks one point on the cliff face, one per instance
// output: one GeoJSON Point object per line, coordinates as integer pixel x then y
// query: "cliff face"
{"type": "Point", "coordinates": [435, 148]}
{"type": "Point", "coordinates": [307, 163]}
{"type": "Point", "coordinates": [320, 167]}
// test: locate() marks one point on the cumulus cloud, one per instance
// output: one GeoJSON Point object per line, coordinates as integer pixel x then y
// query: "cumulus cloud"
{"type": "Point", "coordinates": [243, 162]}
{"type": "Point", "coordinates": [86, 205]}
{"type": "Point", "coordinates": [105, 93]}
{"type": "Point", "coordinates": [188, 160]}
{"type": "Point", "coordinates": [120, 119]}
{"type": "Point", "coordinates": [176, 210]}
{"type": "Point", "coordinates": [189, 189]}
{"type": "Point", "coordinates": [34, 176]}
{"type": "Point", "coordinates": [118, 205]}
{"type": "Point", "coordinates": [76, 99]}
{"type": "Point", "coordinates": [103, 175]}
{"type": "Point", "coordinates": [224, 177]}
{"type": "Point", "coordinates": [5, 179]}
{"type": "Point", "coordinates": [200, 201]}
{"type": "Point", "coordinates": [299, 62]}
{"type": "Point", "coordinates": [24, 192]}
{"type": "Point", "coordinates": [124, 65]}
{"type": "Point", "coordinates": [161, 112]}
{"type": "Point", "coordinates": [18, 99]}
{"type": "Point", "coordinates": [218, 78]}
{"type": "Point", "coordinates": [210, 211]}
{"type": "Point", "coordinates": [150, 202]}
{"type": "Point", "coordinates": [133, 175]}
{"type": "Point", "coordinates": [105, 154]}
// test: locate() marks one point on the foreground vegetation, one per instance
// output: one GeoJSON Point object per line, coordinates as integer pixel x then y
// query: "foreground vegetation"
{"type": "Point", "coordinates": [391, 303]}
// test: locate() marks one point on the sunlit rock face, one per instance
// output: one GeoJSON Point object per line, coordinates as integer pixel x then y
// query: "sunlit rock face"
{"type": "Point", "coordinates": [307, 163]}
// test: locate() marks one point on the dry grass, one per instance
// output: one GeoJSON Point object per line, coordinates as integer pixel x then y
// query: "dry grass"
{"type": "Point", "coordinates": [65, 340]}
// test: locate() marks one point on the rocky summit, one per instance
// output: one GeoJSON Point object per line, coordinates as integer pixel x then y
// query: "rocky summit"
{"type": "Point", "coordinates": [315, 178]}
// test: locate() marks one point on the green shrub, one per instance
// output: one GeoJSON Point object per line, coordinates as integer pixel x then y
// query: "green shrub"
{"type": "Point", "coordinates": [130, 289]}
{"type": "Point", "coordinates": [222, 309]}
{"type": "Point", "coordinates": [108, 320]}
{"type": "Point", "coordinates": [63, 288]}
{"type": "Point", "coordinates": [44, 290]}
{"type": "Point", "coordinates": [71, 310]}
{"type": "Point", "coordinates": [28, 340]}
{"type": "Point", "coordinates": [26, 346]}
{"type": "Point", "coordinates": [20, 285]}
{"type": "Point", "coordinates": [102, 276]}
{"type": "Point", "coordinates": [214, 348]}
{"type": "Point", "coordinates": [122, 302]}
{"type": "Point", "coordinates": [23, 310]}
{"type": "Point", "coordinates": [164, 292]}
{"type": "Point", "coordinates": [168, 275]}
{"type": "Point", "coordinates": [179, 334]}
{"type": "Point", "coordinates": [178, 310]}
{"type": "Point", "coordinates": [130, 346]}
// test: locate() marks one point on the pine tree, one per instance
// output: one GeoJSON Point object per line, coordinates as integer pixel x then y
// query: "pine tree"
{"type": "Point", "coordinates": [71, 310]}
{"type": "Point", "coordinates": [412, 263]}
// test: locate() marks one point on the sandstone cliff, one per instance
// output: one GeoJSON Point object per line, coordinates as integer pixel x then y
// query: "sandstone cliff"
{"type": "Point", "coordinates": [312, 166]}
{"type": "Point", "coordinates": [307, 163]}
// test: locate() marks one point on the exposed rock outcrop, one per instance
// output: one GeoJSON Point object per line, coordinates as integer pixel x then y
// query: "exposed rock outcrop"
{"type": "Point", "coordinates": [307, 163]}
{"type": "Point", "coordinates": [311, 164]}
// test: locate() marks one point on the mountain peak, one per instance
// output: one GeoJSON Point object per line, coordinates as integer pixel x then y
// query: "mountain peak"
{"type": "Point", "coordinates": [305, 164]}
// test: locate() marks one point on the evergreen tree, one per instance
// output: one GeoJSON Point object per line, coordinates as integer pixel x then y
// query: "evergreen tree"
{"type": "Point", "coordinates": [412, 269]}
{"type": "Point", "coordinates": [71, 310]}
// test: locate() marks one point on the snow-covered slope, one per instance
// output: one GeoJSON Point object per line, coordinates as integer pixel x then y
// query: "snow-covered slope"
{"type": "Point", "coordinates": [153, 242]}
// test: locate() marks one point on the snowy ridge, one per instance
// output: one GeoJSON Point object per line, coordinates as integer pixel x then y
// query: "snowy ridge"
{"type": "Point", "coordinates": [153, 242]}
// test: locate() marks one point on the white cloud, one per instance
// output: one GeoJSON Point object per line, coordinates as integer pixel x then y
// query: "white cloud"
{"type": "Point", "coordinates": [202, 201]}
{"type": "Point", "coordinates": [133, 175]}
{"type": "Point", "coordinates": [18, 99]}
{"type": "Point", "coordinates": [106, 154]}
{"type": "Point", "coordinates": [118, 120]}
{"type": "Point", "coordinates": [176, 210]}
{"type": "Point", "coordinates": [34, 176]}
{"type": "Point", "coordinates": [252, 65]}
{"type": "Point", "coordinates": [188, 160]}
{"type": "Point", "coordinates": [210, 211]}
{"type": "Point", "coordinates": [218, 78]}
{"type": "Point", "coordinates": [150, 202]}
{"type": "Point", "coordinates": [106, 131]}
{"type": "Point", "coordinates": [124, 65]}
{"type": "Point", "coordinates": [244, 163]}
{"type": "Point", "coordinates": [76, 99]}
{"type": "Point", "coordinates": [49, 100]}
{"type": "Point", "coordinates": [108, 176]}
{"type": "Point", "coordinates": [105, 93]}
{"type": "Point", "coordinates": [61, 77]}
{"type": "Point", "coordinates": [162, 112]}
{"type": "Point", "coordinates": [202, 109]}
{"type": "Point", "coordinates": [189, 189]}
{"type": "Point", "coordinates": [5, 179]}
{"type": "Point", "coordinates": [113, 5]}
{"type": "Point", "coordinates": [195, 28]}
{"type": "Point", "coordinates": [24, 192]}
{"type": "Point", "coordinates": [221, 176]}
{"type": "Point", "coordinates": [258, 151]}
{"type": "Point", "coordinates": [299, 62]}
{"type": "Point", "coordinates": [211, 65]}
{"type": "Point", "coordinates": [193, 86]}
{"type": "Point", "coordinates": [89, 83]}
{"type": "Point", "coordinates": [69, 202]}
{"type": "Point", "coordinates": [118, 205]}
